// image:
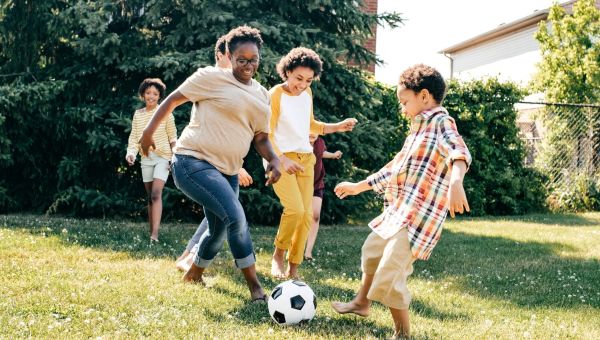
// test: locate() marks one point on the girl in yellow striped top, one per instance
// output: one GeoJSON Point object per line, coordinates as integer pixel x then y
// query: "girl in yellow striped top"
{"type": "Point", "coordinates": [155, 167]}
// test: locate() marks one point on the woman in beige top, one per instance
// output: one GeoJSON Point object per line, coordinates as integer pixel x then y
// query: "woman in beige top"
{"type": "Point", "coordinates": [230, 112]}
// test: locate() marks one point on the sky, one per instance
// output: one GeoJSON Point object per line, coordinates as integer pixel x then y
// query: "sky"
{"type": "Point", "coordinates": [433, 25]}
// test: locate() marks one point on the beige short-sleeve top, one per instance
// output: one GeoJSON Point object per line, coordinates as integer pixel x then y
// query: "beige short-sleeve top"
{"type": "Point", "coordinates": [226, 115]}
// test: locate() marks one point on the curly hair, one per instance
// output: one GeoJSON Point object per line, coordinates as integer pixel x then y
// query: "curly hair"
{"type": "Point", "coordinates": [156, 82]}
{"type": "Point", "coordinates": [243, 34]}
{"type": "Point", "coordinates": [420, 76]}
{"type": "Point", "coordinates": [221, 46]}
{"type": "Point", "coordinates": [300, 56]}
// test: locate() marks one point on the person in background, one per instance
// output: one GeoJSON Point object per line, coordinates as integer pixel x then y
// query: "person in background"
{"type": "Point", "coordinates": [320, 151]}
{"type": "Point", "coordinates": [155, 165]}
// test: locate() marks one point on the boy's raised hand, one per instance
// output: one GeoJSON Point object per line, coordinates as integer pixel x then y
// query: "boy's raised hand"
{"type": "Point", "coordinates": [344, 189]}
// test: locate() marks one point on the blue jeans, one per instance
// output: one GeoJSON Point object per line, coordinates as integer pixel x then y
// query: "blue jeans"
{"type": "Point", "coordinates": [217, 193]}
{"type": "Point", "coordinates": [193, 243]}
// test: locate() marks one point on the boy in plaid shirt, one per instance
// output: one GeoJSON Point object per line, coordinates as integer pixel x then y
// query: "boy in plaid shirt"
{"type": "Point", "coordinates": [420, 185]}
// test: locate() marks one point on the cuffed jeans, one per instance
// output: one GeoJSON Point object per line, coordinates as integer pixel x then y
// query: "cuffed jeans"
{"type": "Point", "coordinates": [217, 193]}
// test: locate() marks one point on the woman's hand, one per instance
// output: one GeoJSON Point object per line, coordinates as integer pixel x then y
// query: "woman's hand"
{"type": "Point", "coordinates": [146, 142]}
{"type": "Point", "coordinates": [244, 178]}
{"type": "Point", "coordinates": [272, 171]}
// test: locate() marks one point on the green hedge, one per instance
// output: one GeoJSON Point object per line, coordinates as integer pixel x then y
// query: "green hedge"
{"type": "Point", "coordinates": [497, 182]}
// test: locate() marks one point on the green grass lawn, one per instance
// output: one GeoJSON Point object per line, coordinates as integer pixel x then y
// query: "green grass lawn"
{"type": "Point", "coordinates": [524, 277]}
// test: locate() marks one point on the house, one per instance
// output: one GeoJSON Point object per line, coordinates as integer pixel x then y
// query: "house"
{"type": "Point", "coordinates": [509, 52]}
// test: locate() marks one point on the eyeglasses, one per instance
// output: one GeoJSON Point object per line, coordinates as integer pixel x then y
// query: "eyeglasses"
{"type": "Point", "coordinates": [244, 62]}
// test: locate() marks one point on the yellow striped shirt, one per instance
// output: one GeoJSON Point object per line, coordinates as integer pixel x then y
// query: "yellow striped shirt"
{"type": "Point", "coordinates": [163, 136]}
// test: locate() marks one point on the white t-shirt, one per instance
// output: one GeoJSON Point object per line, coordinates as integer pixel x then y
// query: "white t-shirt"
{"type": "Point", "coordinates": [292, 120]}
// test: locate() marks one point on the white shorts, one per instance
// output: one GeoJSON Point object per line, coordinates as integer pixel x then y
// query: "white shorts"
{"type": "Point", "coordinates": [153, 167]}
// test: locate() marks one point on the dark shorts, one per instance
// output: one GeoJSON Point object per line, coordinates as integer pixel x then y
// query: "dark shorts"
{"type": "Point", "coordinates": [319, 193]}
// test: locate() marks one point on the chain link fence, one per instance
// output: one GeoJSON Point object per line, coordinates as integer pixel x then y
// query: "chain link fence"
{"type": "Point", "coordinates": [562, 140]}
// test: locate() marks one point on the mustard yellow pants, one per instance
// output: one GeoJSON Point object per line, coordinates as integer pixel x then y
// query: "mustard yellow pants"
{"type": "Point", "coordinates": [295, 194]}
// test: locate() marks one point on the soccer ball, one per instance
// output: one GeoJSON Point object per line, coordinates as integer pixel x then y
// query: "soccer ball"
{"type": "Point", "coordinates": [292, 302]}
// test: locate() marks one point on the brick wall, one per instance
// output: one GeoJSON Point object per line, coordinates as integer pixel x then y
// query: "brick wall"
{"type": "Point", "coordinates": [370, 6]}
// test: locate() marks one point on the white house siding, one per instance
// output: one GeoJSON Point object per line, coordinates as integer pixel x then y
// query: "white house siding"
{"type": "Point", "coordinates": [511, 57]}
{"type": "Point", "coordinates": [519, 69]}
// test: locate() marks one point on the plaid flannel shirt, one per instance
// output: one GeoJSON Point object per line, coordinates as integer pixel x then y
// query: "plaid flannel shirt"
{"type": "Point", "coordinates": [415, 183]}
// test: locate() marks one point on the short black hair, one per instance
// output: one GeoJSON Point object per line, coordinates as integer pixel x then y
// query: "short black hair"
{"type": "Point", "coordinates": [221, 46]}
{"type": "Point", "coordinates": [300, 56]}
{"type": "Point", "coordinates": [156, 82]}
{"type": "Point", "coordinates": [243, 34]}
{"type": "Point", "coordinates": [420, 76]}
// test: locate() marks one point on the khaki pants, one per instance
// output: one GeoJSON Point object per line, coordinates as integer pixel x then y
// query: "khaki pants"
{"type": "Point", "coordinates": [295, 194]}
{"type": "Point", "coordinates": [390, 262]}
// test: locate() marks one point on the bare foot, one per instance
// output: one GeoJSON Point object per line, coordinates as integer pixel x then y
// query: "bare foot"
{"type": "Point", "coordinates": [351, 307]}
{"type": "Point", "coordinates": [277, 268]}
{"type": "Point", "coordinates": [400, 336]}
{"type": "Point", "coordinates": [194, 275]}
{"type": "Point", "coordinates": [292, 271]}
{"type": "Point", "coordinates": [186, 263]}
{"type": "Point", "coordinates": [183, 255]}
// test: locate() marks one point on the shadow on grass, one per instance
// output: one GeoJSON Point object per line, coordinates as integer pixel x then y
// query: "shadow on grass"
{"type": "Point", "coordinates": [565, 220]}
{"type": "Point", "coordinates": [529, 274]}
{"type": "Point", "coordinates": [107, 235]}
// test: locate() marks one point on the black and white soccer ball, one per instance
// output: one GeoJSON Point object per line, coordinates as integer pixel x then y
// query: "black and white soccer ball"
{"type": "Point", "coordinates": [292, 302]}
